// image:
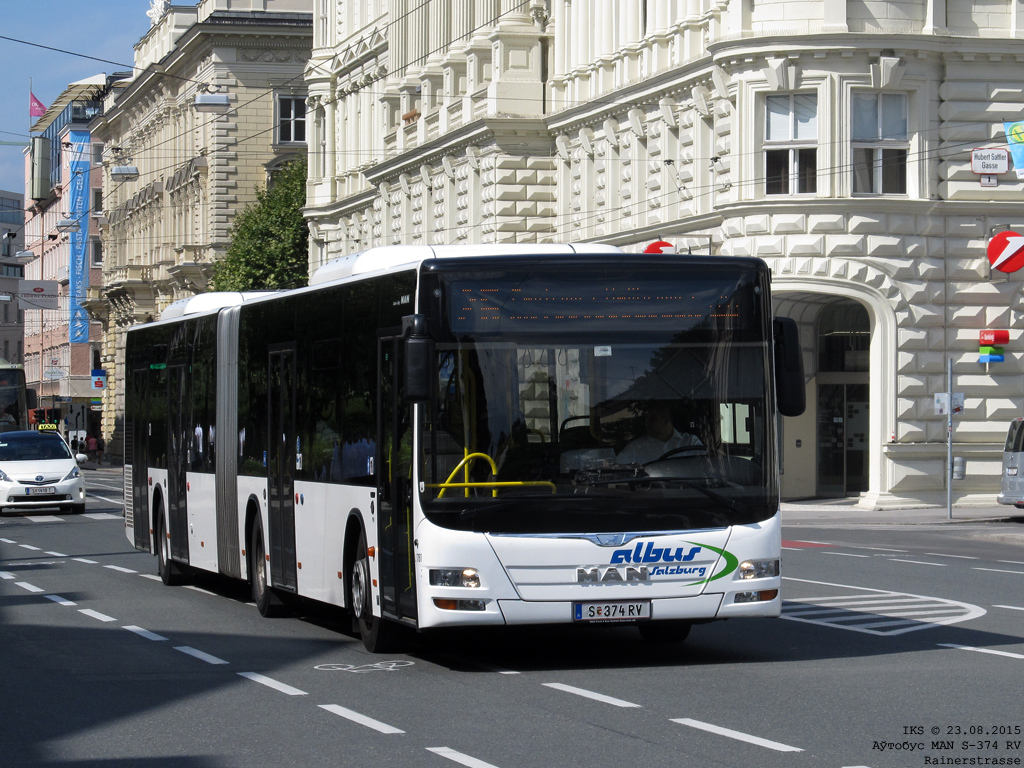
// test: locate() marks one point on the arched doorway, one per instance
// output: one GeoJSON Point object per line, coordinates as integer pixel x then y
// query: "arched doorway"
{"type": "Point", "coordinates": [843, 415]}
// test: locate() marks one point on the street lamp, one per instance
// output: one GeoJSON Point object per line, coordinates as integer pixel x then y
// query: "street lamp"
{"type": "Point", "coordinates": [212, 101]}
{"type": "Point", "coordinates": [124, 173]}
{"type": "Point", "coordinates": [68, 225]}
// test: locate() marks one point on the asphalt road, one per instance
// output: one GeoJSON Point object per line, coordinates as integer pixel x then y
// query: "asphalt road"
{"type": "Point", "coordinates": [893, 635]}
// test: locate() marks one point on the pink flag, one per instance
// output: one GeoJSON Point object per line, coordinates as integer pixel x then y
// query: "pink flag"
{"type": "Point", "coordinates": [36, 108]}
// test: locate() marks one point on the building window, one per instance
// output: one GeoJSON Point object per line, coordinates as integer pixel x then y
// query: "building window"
{"type": "Point", "coordinates": [96, 252]}
{"type": "Point", "coordinates": [97, 154]}
{"type": "Point", "coordinates": [791, 144]}
{"type": "Point", "coordinates": [880, 143]}
{"type": "Point", "coordinates": [97, 201]}
{"type": "Point", "coordinates": [291, 120]}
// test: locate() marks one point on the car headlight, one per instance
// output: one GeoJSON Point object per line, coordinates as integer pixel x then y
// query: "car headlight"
{"type": "Point", "coordinates": [758, 569]}
{"type": "Point", "coordinates": [72, 474]}
{"type": "Point", "coordinates": [454, 577]}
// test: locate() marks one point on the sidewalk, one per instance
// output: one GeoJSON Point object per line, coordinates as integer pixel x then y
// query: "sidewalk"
{"type": "Point", "coordinates": [846, 512]}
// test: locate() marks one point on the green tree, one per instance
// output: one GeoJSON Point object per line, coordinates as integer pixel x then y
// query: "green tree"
{"type": "Point", "coordinates": [270, 238]}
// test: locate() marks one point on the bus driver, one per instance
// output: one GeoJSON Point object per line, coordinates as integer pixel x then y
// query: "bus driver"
{"type": "Point", "coordinates": [661, 437]}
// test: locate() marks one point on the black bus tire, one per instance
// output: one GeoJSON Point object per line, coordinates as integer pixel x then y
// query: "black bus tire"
{"type": "Point", "coordinates": [170, 573]}
{"type": "Point", "coordinates": [378, 634]}
{"type": "Point", "coordinates": [268, 603]}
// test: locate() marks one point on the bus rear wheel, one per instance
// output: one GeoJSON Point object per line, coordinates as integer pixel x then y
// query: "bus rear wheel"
{"type": "Point", "coordinates": [268, 602]}
{"type": "Point", "coordinates": [378, 634]}
{"type": "Point", "coordinates": [664, 631]}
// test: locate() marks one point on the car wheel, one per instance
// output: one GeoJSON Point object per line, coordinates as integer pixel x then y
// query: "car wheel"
{"type": "Point", "coordinates": [169, 572]}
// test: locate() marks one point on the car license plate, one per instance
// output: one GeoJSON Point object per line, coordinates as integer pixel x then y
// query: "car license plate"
{"type": "Point", "coordinates": [619, 611]}
{"type": "Point", "coordinates": [40, 491]}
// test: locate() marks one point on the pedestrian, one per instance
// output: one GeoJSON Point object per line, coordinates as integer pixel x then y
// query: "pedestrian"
{"type": "Point", "coordinates": [74, 443]}
{"type": "Point", "coordinates": [90, 446]}
{"type": "Point", "coordinates": [100, 446]}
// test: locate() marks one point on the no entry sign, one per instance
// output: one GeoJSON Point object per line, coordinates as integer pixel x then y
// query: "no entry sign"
{"type": "Point", "coordinates": [1006, 251]}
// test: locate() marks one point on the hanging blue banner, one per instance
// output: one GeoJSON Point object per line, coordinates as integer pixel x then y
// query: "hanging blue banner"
{"type": "Point", "coordinates": [78, 274]}
{"type": "Point", "coordinates": [1015, 141]}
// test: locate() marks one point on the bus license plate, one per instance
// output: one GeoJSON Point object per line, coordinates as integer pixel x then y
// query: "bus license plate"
{"type": "Point", "coordinates": [624, 611]}
{"type": "Point", "coordinates": [38, 491]}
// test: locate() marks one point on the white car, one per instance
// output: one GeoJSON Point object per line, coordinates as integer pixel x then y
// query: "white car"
{"type": "Point", "coordinates": [37, 469]}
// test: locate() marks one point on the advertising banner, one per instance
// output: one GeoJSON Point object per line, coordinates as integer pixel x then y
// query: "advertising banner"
{"type": "Point", "coordinates": [78, 275]}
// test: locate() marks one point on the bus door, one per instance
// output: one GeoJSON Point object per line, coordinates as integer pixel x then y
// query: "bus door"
{"type": "Point", "coordinates": [281, 464]}
{"type": "Point", "coordinates": [179, 398]}
{"type": "Point", "coordinates": [394, 485]}
{"type": "Point", "coordinates": [137, 417]}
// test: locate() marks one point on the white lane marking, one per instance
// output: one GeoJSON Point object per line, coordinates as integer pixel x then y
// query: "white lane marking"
{"type": "Point", "coordinates": [738, 735]}
{"type": "Point", "coordinates": [864, 611]}
{"type": "Point", "coordinates": [119, 568]}
{"type": "Point", "coordinates": [458, 757]}
{"type": "Point", "coordinates": [982, 650]}
{"type": "Point", "coordinates": [958, 557]}
{"type": "Point", "coordinates": [1011, 607]}
{"type": "Point", "coordinates": [198, 589]}
{"type": "Point", "coordinates": [56, 554]}
{"type": "Point", "coordinates": [96, 614]}
{"type": "Point", "coordinates": [29, 587]}
{"type": "Point", "coordinates": [794, 549]}
{"type": "Point", "coordinates": [878, 549]}
{"type": "Point", "coordinates": [7, 575]}
{"type": "Point", "coordinates": [108, 487]}
{"type": "Point", "coordinates": [355, 717]}
{"type": "Point", "coordinates": [8, 541]}
{"type": "Point", "coordinates": [102, 516]}
{"type": "Point", "coordinates": [270, 682]}
{"type": "Point", "coordinates": [60, 600]}
{"type": "Point", "coordinates": [917, 562]}
{"type": "Point", "coordinates": [144, 633]}
{"type": "Point", "coordinates": [591, 695]}
{"type": "Point", "coordinates": [152, 576]}
{"type": "Point", "coordinates": [84, 560]}
{"type": "Point", "coordinates": [1008, 562]}
{"type": "Point", "coordinates": [845, 554]}
{"type": "Point", "coordinates": [200, 655]}
{"type": "Point", "coordinates": [44, 518]}
{"type": "Point", "coordinates": [29, 546]}
{"type": "Point", "coordinates": [997, 570]}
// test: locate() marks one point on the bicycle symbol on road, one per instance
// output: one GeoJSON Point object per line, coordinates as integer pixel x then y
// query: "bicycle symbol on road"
{"type": "Point", "coordinates": [380, 666]}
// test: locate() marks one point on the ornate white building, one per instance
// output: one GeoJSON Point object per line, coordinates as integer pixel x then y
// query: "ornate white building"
{"type": "Point", "coordinates": [162, 231]}
{"type": "Point", "coordinates": [830, 138]}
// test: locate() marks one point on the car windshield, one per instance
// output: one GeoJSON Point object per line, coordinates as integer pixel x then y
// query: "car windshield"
{"type": "Point", "coordinates": [631, 420]}
{"type": "Point", "coordinates": [32, 447]}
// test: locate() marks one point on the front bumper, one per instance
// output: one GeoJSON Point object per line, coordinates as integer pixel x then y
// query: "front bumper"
{"type": "Point", "coordinates": [14, 495]}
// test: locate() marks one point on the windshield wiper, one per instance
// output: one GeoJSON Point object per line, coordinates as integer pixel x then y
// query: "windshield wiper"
{"type": "Point", "coordinates": [635, 474]}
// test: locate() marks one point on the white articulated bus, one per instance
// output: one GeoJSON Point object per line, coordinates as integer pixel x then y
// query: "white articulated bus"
{"type": "Point", "coordinates": [462, 436]}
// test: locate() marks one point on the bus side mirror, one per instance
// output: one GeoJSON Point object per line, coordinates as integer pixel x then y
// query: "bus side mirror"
{"type": "Point", "coordinates": [790, 388]}
{"type": "Point", "coordinates": [419, 359]}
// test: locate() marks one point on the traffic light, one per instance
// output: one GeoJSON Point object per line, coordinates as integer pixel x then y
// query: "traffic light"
{"type": "Point", "coordinates": [39, 415]}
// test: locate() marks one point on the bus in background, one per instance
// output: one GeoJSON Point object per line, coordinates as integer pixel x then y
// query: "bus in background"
{"type": "Point", "coordinates": [15, 400]}
{"type": "Point", "coordinates": [473, 435]}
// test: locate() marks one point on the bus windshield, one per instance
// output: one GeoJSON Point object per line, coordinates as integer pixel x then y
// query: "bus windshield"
{"type": "Point", "coordinates": [624, 400]}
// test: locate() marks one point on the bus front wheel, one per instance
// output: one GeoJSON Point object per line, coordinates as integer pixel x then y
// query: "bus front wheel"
{"type": "Point", "coordinates": [377, 633]}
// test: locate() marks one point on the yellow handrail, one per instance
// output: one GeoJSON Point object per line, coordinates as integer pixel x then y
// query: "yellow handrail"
{"type": "Point", "coordinates": [465, 463]}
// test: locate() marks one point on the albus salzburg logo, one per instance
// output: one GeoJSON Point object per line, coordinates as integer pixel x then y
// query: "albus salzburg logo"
{"type": "Point", "coordinates": [647, 560]}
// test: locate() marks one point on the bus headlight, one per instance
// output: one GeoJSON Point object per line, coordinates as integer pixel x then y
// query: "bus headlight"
{"type": "Point", "coordinates": [454, 577]}
{"type": "Point", "coordinates": [758, 569]}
